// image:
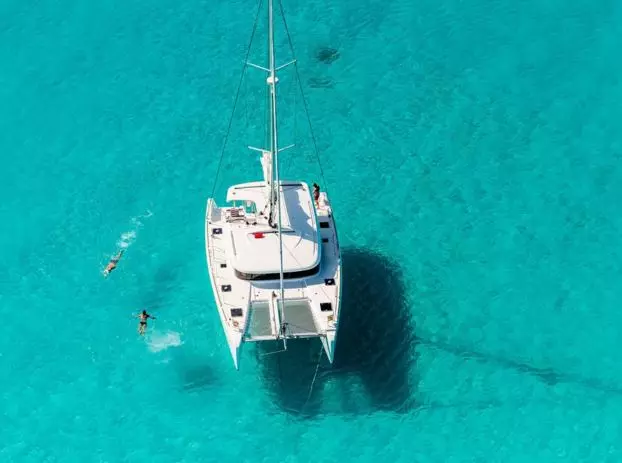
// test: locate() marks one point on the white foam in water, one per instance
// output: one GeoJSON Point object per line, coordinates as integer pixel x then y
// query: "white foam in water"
{"type": "Point", "coordinates": [158, 341]}
{"type": "Point", "coordinates": [128, 237]}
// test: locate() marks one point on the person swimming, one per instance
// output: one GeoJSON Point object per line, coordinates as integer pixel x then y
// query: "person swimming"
{"type": "Point", "coordinates": [113, 263]}
{"type": "Point", "coordinates": [142, 325]}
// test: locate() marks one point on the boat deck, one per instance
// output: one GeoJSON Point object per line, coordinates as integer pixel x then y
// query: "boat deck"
{"type": "Point", "coordinates": [234, 293]}
{"type": "Point", "coordinates": [311, 302]}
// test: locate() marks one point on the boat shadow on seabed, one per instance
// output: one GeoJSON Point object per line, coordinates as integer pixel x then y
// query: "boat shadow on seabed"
{"type": "Point", "coordinates": [374, 353]}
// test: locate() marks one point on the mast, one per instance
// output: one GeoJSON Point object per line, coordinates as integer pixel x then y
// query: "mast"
{"type": "Point", "coordinates": [275, 191]}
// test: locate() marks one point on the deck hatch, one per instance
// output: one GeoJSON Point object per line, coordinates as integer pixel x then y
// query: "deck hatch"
{"type": "Point", "coordinates": [237, 312]}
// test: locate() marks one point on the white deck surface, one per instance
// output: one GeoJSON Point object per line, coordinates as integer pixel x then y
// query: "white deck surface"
{"type": "Point", "coordinates": [238, 299]}
{"type": "Point", "coordinates": [251, 254]}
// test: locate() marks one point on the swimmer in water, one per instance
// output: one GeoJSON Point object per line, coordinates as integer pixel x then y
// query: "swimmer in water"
{"type": "Point", "coordinates": [113, 263]}
{"type": "Point", "coordinates": [142, 325]}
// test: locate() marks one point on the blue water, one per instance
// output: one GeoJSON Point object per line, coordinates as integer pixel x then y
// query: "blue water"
{"type": "Point", "coordinates": [472, 154]}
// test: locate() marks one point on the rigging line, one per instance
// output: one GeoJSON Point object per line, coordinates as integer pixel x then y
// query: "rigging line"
{"type": "Point", "coordinates": [272, 353]}
{"type": "Point", "coordinates": [275, 163]}
{"type": "Point", "coordinates": [304, 100]}
{"type": "Point", "coordinates": [291, 157]}
{"type": "Point", "coordinates": [246, 104]}
{"type": "Point", "coordinates": [237, 95]}
{"type": "Point", "coordinates": [280, 369]}
{"type": "Point", "coordinates": [317, 368]}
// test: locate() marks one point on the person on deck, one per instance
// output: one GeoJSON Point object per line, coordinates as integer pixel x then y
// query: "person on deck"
{"type": "Point", "coordinates": [316, 194]}
{"type": "Point", "coordinates": [113, 263]}
{"type": "Point", "coordinates": [142, 325]}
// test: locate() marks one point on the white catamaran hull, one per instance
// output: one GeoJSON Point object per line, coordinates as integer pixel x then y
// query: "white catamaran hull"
{"type": "Point", "coordinates": [273, 255]}
{"type": "Point", "coordinates": [248, 308]}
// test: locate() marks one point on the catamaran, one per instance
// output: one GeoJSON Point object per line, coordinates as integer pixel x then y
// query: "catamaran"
{"type": "Point", "coordinates": [273, 253]}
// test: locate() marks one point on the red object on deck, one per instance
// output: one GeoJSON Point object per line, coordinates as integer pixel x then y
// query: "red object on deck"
{"type": "Point", "coordinates": [258, 235]}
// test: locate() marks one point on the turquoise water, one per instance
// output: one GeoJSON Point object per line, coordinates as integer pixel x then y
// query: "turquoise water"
{"type": "Point", "coordinates": [472, 154]}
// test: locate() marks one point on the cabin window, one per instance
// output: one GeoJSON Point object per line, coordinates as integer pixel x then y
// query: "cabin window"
{"type": "Point", "coordinates": [249, 207]}
{"type": "Point", "coordinates": [276, 276]}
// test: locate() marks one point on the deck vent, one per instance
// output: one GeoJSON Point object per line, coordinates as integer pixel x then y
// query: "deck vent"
{"type": "Point", "coordinates": [326, 306]}
{"type": "Point", "coordinates": [324, 225]}
{"type": "Point", "coordinates": [329, 281]}
{"type": "Point", "coordinates": [225, 288]}
{"type": "Point", "coordinates": [236, 312]}
{"type": "Point", "coordinates": [216, 231]}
